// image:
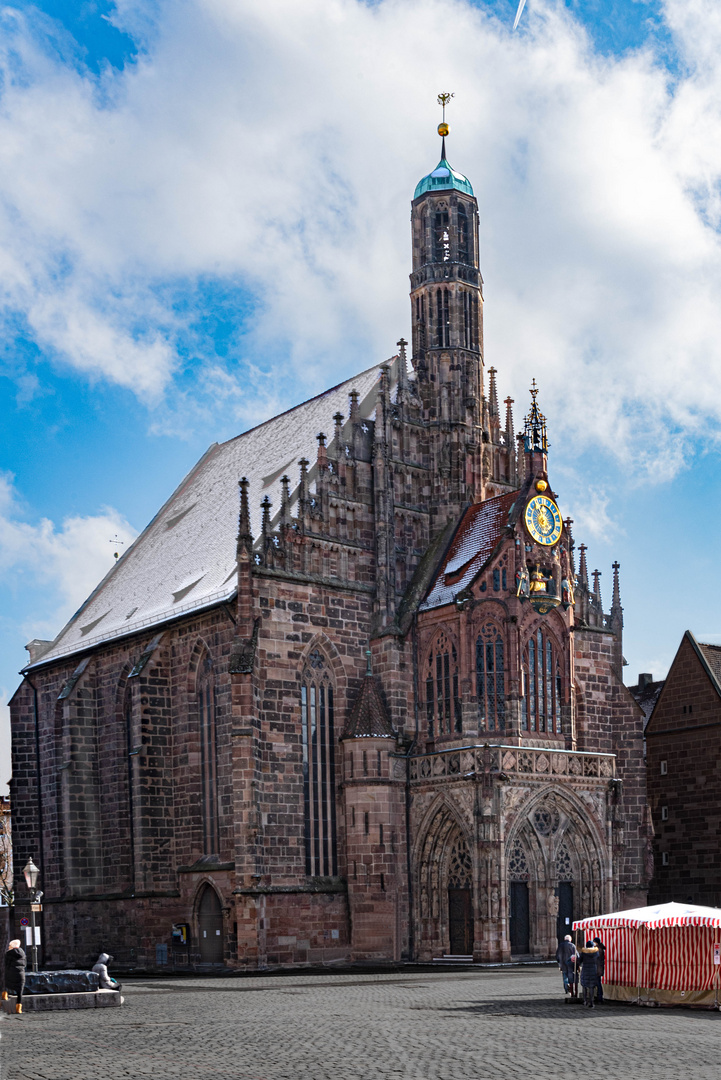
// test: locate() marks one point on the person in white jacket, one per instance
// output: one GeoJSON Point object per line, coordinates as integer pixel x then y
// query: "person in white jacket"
{"type": "Point", "coordinates": [101, 969]}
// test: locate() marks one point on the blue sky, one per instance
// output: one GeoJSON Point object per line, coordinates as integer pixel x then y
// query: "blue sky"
{"type": "Point", "coordinates": [204, 219]}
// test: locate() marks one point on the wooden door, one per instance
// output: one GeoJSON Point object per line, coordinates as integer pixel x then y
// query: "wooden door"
{"type": "Point", "coordinates": [565, 908]}
{"type": "Point", "coordinates": [210, 926]}
{"type": "Point", "coordinates": [460, 920]}
{"type": "Point", "coordinates": [520, 926]}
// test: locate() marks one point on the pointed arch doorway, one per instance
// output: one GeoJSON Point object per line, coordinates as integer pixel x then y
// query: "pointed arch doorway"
{"type": "Point", "coordinates": [460, 899]}
{"type": "Point", "coordinates": [445, 905]}
{"type": "Point", "coordinates": [210, 927]}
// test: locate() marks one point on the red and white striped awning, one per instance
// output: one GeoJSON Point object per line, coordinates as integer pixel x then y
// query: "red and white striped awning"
{"type": "Point", "coordinates": [655, 918]}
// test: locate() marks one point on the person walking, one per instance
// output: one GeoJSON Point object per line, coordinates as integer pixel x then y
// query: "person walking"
{"type": "Point", "coordinates": [589, 972]}
{"type": "Point", "coordinates": [565, 958]}
{"type": "Point", "coordinates": [15, 964]}
{"type": "Point", "coordinates": [600, 968]}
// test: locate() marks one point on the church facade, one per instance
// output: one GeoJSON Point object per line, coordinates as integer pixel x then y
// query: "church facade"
{"type": "Point", "coordinates": [351, 695]}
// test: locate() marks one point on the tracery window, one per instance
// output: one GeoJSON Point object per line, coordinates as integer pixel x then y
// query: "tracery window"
{"type": "Point", "coordinates": [208, 756]}
{"type": "Point", "coordinates": [443, 703]}
{"type": "Point", "coordinates": [317, 716]}
{"type": "Point", "coordinates": [564, 866]}
{"type": "Point", "coordinates": [490, 678]}
{"type": "Point", "coordinates": [518, 863]}
{"type": "Point", "coordinates": [460, 871]}
{"type": "Point", "coordinates": [467, 319]}
{"type": "Point", "coordinates": [541, 702]}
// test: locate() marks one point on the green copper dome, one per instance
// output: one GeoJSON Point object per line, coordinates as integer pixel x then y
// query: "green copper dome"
{"type": "Point", "coordinates": [442, 178]}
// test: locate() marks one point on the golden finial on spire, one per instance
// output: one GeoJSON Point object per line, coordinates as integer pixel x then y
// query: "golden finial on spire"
{"type": "Point", "coordinates": [443, 100]}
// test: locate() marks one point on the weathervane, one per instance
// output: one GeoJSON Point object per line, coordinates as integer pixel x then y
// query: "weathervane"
{"type": "Point", "coordinates": [443, 100]}
{"type": "Point", "coordinates": [116, 543]}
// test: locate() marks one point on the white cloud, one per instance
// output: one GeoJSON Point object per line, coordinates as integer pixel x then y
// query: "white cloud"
{"type": "Point", "coordinates": [276, 146]}
{"type": "Point", "coordinates": [66, 561]}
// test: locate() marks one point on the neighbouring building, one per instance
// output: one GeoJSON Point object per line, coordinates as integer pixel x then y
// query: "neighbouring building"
{"type": "Point", "coordinates": [683, 758]}
{"type": "Point", "coordinates": [645, 693]}
{"type": "Point", "coordinates": [368, 708]}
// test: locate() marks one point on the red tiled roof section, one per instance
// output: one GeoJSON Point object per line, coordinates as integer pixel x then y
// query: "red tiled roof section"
{"type": "Point", "coordinates": [480, 529]}
{"type": "Point", "coordinates": [712, 655]}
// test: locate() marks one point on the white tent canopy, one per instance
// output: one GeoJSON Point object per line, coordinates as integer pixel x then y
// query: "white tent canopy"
{"type": "Point", "coordinates": [656, 917]}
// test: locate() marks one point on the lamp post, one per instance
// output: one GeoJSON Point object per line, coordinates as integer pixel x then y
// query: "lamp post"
{"type": "Point", "coordinates": [30, 873]}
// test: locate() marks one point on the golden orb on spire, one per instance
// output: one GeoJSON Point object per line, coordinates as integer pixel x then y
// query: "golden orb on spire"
{"type": "Point", "coordinates": [443, 100]}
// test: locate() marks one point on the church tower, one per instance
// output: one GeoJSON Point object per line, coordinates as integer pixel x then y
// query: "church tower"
{"type": "Point", "coordinates": [447, 322]}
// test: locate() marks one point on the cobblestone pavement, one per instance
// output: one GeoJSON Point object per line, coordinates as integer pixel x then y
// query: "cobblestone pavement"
{"type": "Point", "coordinates": [469, 1025]}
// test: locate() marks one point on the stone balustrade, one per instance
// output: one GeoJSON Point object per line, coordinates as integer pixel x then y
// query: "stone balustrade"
{"type": "Point", "coordinates": [511, 761]}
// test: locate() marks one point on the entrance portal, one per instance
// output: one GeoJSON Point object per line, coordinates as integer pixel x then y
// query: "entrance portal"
{"type": "Point", "coordinates": [520, 929]}
{"type": "Point", "coordinates": [460, 921]}
{"type": "Point", "coordinates": [210, 925]}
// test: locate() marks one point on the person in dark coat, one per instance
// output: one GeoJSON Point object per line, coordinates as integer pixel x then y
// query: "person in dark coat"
{"type": "Point", "coordinates": [600, 968]}
{"type": "Point", "coordinates": [589, 972]}
{"type": "Point", "coordinates": [565, 958]}
{"type": "Point", "coordinates": [15, 964]}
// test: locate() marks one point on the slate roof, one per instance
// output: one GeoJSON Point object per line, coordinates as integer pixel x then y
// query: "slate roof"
{"type": "Point", "coordinates": [185, 559]}
{"type": "Point", "coordinates": [646, 696]}
{"type": "Point", "coordinates": [478, 533]}
{"type": "Point", "coordinates": [369, 716]}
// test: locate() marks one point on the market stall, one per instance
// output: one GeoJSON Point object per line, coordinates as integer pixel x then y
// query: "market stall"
{"type": "Point", "coordinates": [669, 954]}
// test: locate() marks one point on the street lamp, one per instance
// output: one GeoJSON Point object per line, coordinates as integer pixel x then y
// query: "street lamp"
{"type": "Point", "coordinates": [30, 873]}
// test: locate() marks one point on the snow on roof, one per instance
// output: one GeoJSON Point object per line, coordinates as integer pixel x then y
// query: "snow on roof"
{"type": "Point", "coordinates": [185, 559]}
{"type": "Point", "coordinates": [479, 531]}
{"type": "Point", "coordinates": [656, 917]}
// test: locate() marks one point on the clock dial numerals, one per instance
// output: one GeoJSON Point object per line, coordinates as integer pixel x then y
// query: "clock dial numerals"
{"type": "Point", "coordinates": [543, 520]}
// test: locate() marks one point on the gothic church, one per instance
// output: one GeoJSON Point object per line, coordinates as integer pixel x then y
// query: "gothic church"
{"type": "Point", "coordinates": [349, 696]}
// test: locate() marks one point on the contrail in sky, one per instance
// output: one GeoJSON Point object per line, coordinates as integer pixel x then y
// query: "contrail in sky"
{"type": "Point", "coordinates": [521, 6]}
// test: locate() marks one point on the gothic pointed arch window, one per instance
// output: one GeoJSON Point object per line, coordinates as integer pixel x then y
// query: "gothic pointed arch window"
{"type": "Point", "coordinates": [443, 319]}
{"type": "Point", "coordinates": [206, 700]}
{"type": "Point", "coordinates": [490, 678]}
{"type": "Point", "coordinates": [468, 317]}
{"type": "Point", "coordinates": [420, 324]}
{"type": "Point", "coordinates": [443, 702]}
{"type": "Point", "coordinates": [130, 758]}
{"type": "Point", "coordinates": [463, 235]}
{"type": "Point", "coordinates": [317, 698]}
{"type": "Point", "coordinates": [542, 684]}
{"type": "Point", "coordinates": [441, 237]}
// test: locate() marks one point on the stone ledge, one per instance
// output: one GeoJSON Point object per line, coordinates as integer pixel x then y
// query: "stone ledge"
{"type": "Point", "coordinates": [97, 999]}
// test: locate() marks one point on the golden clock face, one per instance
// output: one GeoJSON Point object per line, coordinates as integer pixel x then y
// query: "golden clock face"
{"type": "Point", "coordinates": [543, 520]}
